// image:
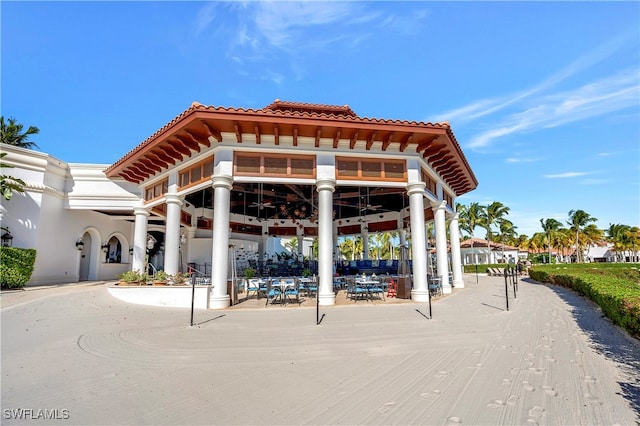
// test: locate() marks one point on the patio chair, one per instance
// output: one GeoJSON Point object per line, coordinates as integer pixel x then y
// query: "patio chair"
{"type": "Point", "coordinates": [253, 287]}
{"type": "Point", "coordinates": [312, 287]}
{"type": "Point", "coordinates": [292, 291]}
{"type": "Point", "coordinates": [376, 289]}
{"type": "Point", "coordinates": [358, 292]}
{"type": "Point", "coordinates": [392, 287]}
{"type": "Point", "coordinates": [272, 293]}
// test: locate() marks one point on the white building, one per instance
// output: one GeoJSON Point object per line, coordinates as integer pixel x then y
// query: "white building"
{"type": "Point", "coordinates": [215, 178]}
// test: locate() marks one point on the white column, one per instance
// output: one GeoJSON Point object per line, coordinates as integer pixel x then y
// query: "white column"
{"type": "Point", "coordinates": [441, 244]}
{"type": "Point", "coordinates": [420, 291]}
{"type": "Point", "coordinates": [139, 238]}
{"type": "Point", "coordinates": [220, 251]}
{"type": "Point", "coordinates": [403, 237]}
{"type": "Point", "coordinates": [454, 234]}
{"type": "Point", "coordinates": [325, 188]}
{"type": "Point", "coordinates": [365, 244]}
{"type": "Point", "coordinates": [172, 235]}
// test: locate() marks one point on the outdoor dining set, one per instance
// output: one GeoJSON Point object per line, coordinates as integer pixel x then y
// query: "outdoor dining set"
{"type": "Point", "coordinates": [284, 290]}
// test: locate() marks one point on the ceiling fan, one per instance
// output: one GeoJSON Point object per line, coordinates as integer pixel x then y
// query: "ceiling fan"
{"type": "Point", "coordinates": [368, 205]}
{"type": "Point", "coordinates": [262, 204]}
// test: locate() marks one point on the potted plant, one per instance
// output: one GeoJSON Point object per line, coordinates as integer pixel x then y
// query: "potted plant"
{"type": "Point", "coordinates": [179, 278]}
{"type": "Point", "coordinates": [306, 273]}
{"type": "Point", "coordinates": [132, 278]}
{"type": "Point", "coordinates": [160, 278]}
{"type": "Point", "coordinates": [249, 273]}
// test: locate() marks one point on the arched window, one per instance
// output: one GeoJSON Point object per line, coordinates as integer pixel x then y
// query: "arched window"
{"type": "Point", "coordinates": [113, 250]}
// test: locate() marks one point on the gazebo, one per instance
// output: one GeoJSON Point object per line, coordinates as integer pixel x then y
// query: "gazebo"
{"type": "Point", "coordinates": [214, 175]}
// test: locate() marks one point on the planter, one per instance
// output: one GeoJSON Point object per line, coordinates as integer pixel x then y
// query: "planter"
{"type": "Point", "coordinates": [129, 283]}
{"type": "Point", "coordinates": [159, 283]}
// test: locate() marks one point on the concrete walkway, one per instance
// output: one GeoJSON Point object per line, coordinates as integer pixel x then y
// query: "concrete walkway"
{"type": "Point", "coordinates": [90, 359]}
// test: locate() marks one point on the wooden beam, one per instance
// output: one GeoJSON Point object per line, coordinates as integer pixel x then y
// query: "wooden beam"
{"type": "Point", "coordinates": [256, 129]}
{"type": "Point", "coordinates": [130, 176]}
{"type": "Point", "coordinates": [212, 131]}
{"type": "Point", "coordinates": [162, 155]}
{"type": "Point", "coordinates": [405, 141]}
{"type": "Point", "coordinates": [440, 161]}
{"type": "Point", "coordinates": [179, 146]}
{"type": "Point", "coordinates": [155, 159]}
{"type": "Point", "coordinates": [276, 134]}
{"type": "Point", "coordinates": [143, 168]}
{"type": "Point", "coordinates": [194, 145]}
{"type": "Point", "coordinates": [318, 133]}
{"type": "Point", "coordinates": [295, 136]}
{"type": "Point", "coordinates": [426, 143]}
{"type": "Point", "coordinates": [387, 141]}
{"type": "Point", "coordinates": [170, 151]}
{"type": "Point", "coordinates": [204, 142]}
{"type": "Point", "coordinates": [150, 164]}
{"type": "Point", "coordinates": [370, 139]}
{"type": "Point", "coordinates": [135, 171]}
{"type": "Point", "coordinates": [238, 131]}
{"type": "Point", "coordinates": [336, 138]}
{"type": "Point", "coordinates": [354, 139]}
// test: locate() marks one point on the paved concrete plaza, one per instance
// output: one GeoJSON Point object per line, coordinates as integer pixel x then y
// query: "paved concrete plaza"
{"type": "Point", "coordinates": [87, 359]}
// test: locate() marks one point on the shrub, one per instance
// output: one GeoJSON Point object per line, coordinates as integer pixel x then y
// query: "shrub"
{"type": "Point", "coordinates": [16, 266]}
{"type": "Point", "coordinates": [615, 288]}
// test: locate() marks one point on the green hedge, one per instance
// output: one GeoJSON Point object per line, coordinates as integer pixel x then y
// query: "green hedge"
{"type": "Point", "coordinates": [614, 287]}
{"type": "Point", "coordinates": [482, 269]}
{"type": "Point", "coordinates": [16, 266]}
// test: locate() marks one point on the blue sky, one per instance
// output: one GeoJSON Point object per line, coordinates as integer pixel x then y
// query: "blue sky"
{"type": "Point", "coordinates": [543, 97]}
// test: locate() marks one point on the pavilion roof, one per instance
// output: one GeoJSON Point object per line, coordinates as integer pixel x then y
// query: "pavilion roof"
{"type": "Point", "coordinates": [200, 126]}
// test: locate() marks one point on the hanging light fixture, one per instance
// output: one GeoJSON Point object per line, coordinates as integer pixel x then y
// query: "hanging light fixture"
{"type": "Point", "coordinates": [7, 238]}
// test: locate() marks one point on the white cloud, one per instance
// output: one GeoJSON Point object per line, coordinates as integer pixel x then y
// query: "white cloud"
{"type": "Point", "coordinates": [521, 160]}
{"type": "Point", "coordinates": [566, 175]}
{"type": "Point", "coordinates": [534, 107]}
{"type": "Point", "coordinates": [608, 95]}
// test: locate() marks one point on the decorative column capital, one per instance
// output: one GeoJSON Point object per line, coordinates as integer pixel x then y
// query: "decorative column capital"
{"type": "Point", "coordinates": [326, 184]}
{"type": "Point", "coordinates": [222, 181]}
{"type": "Point", "coordinates": [454, 216]}
{"type": "Point", "coordinates": [437, 205]}
{"type": "Point", "coordinates": [416, 187]}
{"type": "Point", "coordinates": [173, 199]}
{"type": "Point", "coordinates": [142, 211]}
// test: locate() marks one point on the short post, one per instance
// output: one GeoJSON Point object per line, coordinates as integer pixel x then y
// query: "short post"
{"type": "Point", "coordinates": [429, 291]}
{"type": "Point", "coordinates": [515, 283]}
{"type": "Point", "coordinates": [193, 294]}
{"type": "Point", "coordinates": [506, 286]}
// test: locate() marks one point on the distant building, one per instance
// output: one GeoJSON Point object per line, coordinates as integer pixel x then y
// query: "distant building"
{"type": "Point", "coordinates": [477, 251]}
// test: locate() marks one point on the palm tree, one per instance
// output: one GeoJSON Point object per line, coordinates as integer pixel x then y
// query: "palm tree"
{"type": "Point", "coordinates": [291, 245]}
{"type": "Point", "coordinates": [563, 239]}
{"type": "Point", "coordinates": [550, 227]}
{"type": "Point", "coordinates": [495, 212]}
{"type": "Point", "coordinates": [9, 184]}
{"type": "Point", "coordinates": [470, 218]}
{"type": "Point", "coordinates": [537, 241]}
{"type": "Point", "coordinates": [578, 219]}
{"type": "Point", "coordinates": [507, 230]}
{"type": "Point", "coordinates": [616, 234]}
{"type": "Point", "coordinates": [11, 133]}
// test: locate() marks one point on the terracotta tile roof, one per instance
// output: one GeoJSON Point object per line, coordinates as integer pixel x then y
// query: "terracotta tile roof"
{"type": "Point", "coordinates": [318, 116]}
